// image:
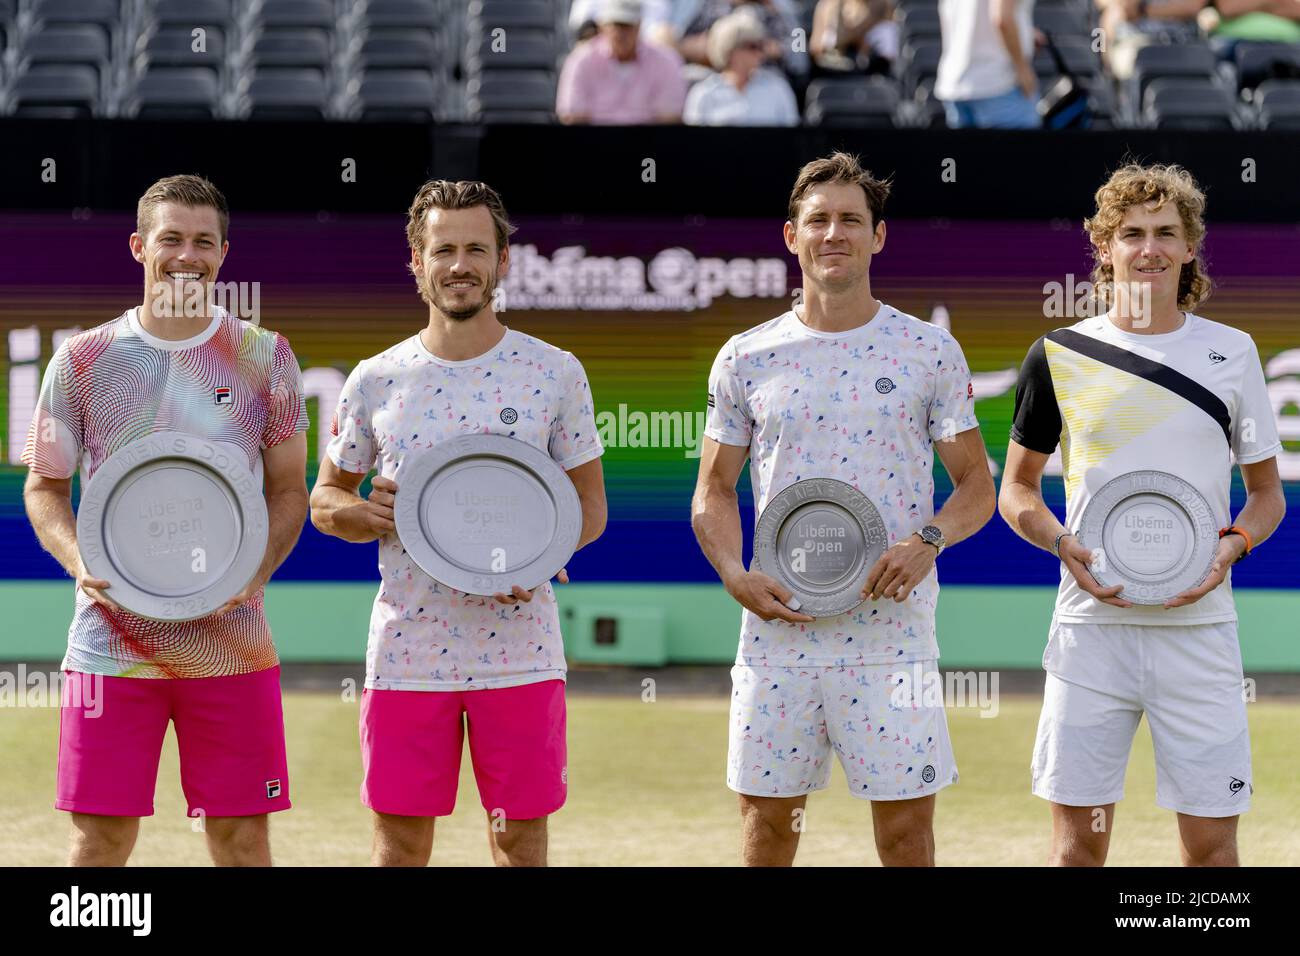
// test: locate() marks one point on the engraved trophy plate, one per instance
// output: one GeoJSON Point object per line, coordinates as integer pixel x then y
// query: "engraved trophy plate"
{"type": "Point", "coordinates": [175, 523]}
{"type": "Point", "coordinates": [485, 512]}
{"type": "Point", "coordinates": [1156, 533]}
{"type": "Point", "coordinates": [820, 537]}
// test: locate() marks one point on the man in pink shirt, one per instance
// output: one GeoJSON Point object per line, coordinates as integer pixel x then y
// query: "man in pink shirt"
{"type": "Point", "coordinates": [618, 79]}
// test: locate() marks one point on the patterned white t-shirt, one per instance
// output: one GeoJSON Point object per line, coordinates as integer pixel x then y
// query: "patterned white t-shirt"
{"type": "Point", "coordinates": [863, 406]}
{"type": "Point", "coordinates": [425, 635]}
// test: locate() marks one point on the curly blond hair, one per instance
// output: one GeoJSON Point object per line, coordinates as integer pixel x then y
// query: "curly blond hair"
{"type": "Point", "coordinates": [1135, 185]}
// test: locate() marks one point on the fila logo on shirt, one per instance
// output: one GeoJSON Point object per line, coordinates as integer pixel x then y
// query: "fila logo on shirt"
{"type": "Point", "coordinates": [272, 788]}
{"type": "Point", "coordinates": [221, 395]}
{"type": "Point", "coordinates": [1216, 358]}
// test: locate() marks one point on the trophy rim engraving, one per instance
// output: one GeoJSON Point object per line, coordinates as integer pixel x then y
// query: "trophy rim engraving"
{"type": "Point", "coordinates": [417, 473]}
{"type": "Point", "coordinates": [1198, 524]}
{"type": "Point", "coordinates": [220, 463]}
{"type": "Point", "coordinates": [843, 594]}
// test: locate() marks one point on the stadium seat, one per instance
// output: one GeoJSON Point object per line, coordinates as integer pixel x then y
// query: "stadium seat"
{"type": "Point", "coordinates": [1188, 103]}
{"type": "Point", "coordinates": [319, 14]}
{"type": "Point", "coordinates": [282, 93]}
{"type": "Point", "coordinates": [864, 102]}
{"type": "Point", "coordinates": [396, 96]}
{"type": "Point", "coordinates": [174, 93]}
{"type": "Point", "coordinates": [1062, 21]}
{"type": "Point", "coordinates": [917, 63]}
{"type": "Point", "coordinates": [292, 47]}
{"type": "Point", "coordinates": [174, 46]}
{"type": "Point", "coordinates": [534, 14]}
{"type": "Point", "coordinates": [1259, 62]}
{"type": "Point", "coordinates": [103, 14]}
{"type": "Point", "coordinates": [1187, 60]}
{"type": "Point", "coordinates": [1278, 102]}
{"type": "Point", "coordinates": [67, 43]}
{"type": "Point", "coordinates": [1079, 60]}
{"type": "Point", "coordinates": [918, 23]}
{"type": "Point", "coordinates": [400, 49]}
{"type": "Point", "coordinates": [512, 96]}
{"type": "Point", "coordinates": [516, 50]}
{"type": "Point", "coordinates": [407, 14]}
{"type": "Point", "coordinates": [191, 13]}
{"type": "Point", "coordinates": [57, 91]}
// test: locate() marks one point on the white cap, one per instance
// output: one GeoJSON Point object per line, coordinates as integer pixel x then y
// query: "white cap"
{"type": "Point", "coordinates": [620, 11]}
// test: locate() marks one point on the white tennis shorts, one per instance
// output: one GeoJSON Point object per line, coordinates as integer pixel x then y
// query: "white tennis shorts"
{"type": "Point", "coordinates": [891, 737]}
{"type": "Point", "coordinates": [1101, 678]}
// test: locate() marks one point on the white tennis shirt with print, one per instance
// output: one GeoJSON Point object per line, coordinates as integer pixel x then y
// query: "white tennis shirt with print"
{"type": "Point", "coordinates": [865, 407]}
{"type": "Point", "coordinates": [426, 636]}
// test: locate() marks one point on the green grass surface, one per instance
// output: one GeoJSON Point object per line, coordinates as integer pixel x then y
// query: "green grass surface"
{"type": "Point", "coordinates": [647, 788]}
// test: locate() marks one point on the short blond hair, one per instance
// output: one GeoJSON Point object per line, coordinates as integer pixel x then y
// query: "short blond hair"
{"type": "Point", "coordinates": [186, 190]}
{"type": "Point", "coordinates": [1135, 185]}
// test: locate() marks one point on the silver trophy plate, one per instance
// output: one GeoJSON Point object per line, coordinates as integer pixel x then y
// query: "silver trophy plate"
{"type": "Point", "coordinates": [820, 537]}
{"type": "Point", "coordinates": [1156, 534]}
{"type": "Point", "coordinates": [176, 524]}
{"type": "Point", "coordinates": [485, 512]}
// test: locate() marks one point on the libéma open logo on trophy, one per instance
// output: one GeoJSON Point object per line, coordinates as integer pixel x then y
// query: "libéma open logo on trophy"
{"type": "Point", "coordinates": [485, 512]}
{"type": "Point", "coordinates": [819, 537]}
{"type": "Point", "coordinates": [177, 523]}
{"type": "Point", "coordinates": [1151, 532]}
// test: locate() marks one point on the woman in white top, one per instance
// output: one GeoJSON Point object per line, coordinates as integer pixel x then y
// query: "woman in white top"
{"type": "Point", "coordinates": [743, 92]}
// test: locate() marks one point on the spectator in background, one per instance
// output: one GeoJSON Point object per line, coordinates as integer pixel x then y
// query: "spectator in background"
{"type": "Point", "coordinates": [986, 76]}
{"type": "Point", "coordinates": [1130, 25]}
{"type": "Point", "coordinates": [692, 20]}
{"type": "Point", "coordinates": [743, 92]}
{"type": "Point", "coordinates": [850, 35]}
{"type": "Point", "coordinates": [1268, 21]}
{"type": "Point", "coordinates": [618, 78]}
{"type": "Point", "coordinates": [656, 19]}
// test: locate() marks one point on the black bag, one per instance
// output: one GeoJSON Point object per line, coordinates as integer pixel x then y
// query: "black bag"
{"type": "Point", "coordinates": [1064, 105]}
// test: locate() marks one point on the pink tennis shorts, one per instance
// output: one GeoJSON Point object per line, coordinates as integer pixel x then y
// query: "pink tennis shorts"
{"type": "Point", "coordinates": [411, 744]}
{"type": "Point", "coordinates": [230, 731]}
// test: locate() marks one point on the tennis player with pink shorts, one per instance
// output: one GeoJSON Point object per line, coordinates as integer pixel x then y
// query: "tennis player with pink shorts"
{"type": "Point", "coordinates": [441, 662]}
{"type": "Point", "coordinates": [175, 363]}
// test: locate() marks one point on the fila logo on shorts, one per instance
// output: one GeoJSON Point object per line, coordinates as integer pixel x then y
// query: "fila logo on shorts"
{"type": "Point", "coordinates": [272, 788]}
{"type": "Point", "coordinates": [221, 395]}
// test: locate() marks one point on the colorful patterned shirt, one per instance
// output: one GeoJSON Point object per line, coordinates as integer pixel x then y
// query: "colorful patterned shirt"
{"type": "Point", "coordinates": [865, 407]}
{"type": "Point", "coordinates": [115, 384]}
{"type": "Point", "coordinates": [424, 635]}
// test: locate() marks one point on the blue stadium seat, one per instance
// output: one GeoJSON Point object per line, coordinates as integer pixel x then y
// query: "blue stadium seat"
{"type": "Point", "coordinates": [1259, 62]}
{"type": "Point", "coordinates": [292, 47]}
{"type": "Point", "coordinates": [57, 91]}
{"type": "Point", "coordinates": [174, 93]}
{"type": "Point", "coordinates": [283, 94]}
{"type": "Point", "coordinates": [862, 102]}
{"type": "Point", "coordinates": [512, 96]}
{"type": "Point", "coordinates": [1185, 60]}
{"type": "Point", "coordinates": [917, 64]}
{"type": "Point", "coordinates": [402, 14]}
{"type": "Point", "coordinates": [174, 47]}
{"type": "Point", "coordinates": [396, 96]}
{"type": "Point", "coordinates": [400, 49]}
{"type": "Point", "coordinates": [1188, 103]}
{"type": "Point", "coordinates": [534, 14]}
{"type": "Point", "coordinates": [1278, 102]}
{"type": "Point", "coordinates": [516, 49]}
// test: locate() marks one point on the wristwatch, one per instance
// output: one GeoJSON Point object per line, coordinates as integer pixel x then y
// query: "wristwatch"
{"type": "Point", "coordinates": [930, 534]}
